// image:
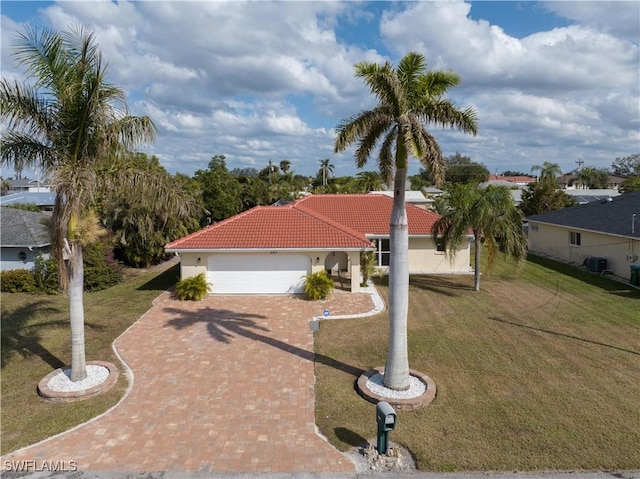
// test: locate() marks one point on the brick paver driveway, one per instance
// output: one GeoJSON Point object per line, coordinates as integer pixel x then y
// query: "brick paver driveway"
{"type": "Point", "coordinates": [222, 385]}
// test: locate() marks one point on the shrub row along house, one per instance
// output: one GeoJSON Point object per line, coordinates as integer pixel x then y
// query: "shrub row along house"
{"type": "Point", "coordinates": [608, 231]}
{"type": "Point", "coordinates": [269, 249]}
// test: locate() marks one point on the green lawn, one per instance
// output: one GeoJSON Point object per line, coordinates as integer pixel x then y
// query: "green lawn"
{"type": "Point", "coordinates": [539, 370]}
{"type": "Point", "coordinates": [36, 339]}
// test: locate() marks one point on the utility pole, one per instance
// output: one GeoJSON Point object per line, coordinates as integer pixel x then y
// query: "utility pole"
{"type": "Point", "coordinates": [580, 163]}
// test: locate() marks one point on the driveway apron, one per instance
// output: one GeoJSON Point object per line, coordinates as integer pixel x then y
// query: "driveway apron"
{"type": "Point", "coordinates": [221, 385]}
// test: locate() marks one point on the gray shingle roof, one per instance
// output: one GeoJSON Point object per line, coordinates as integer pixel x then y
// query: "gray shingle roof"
{"type": "Point", "coordinates": [23, 228]}
{"type": "Point", "coordinates": [612, 216]}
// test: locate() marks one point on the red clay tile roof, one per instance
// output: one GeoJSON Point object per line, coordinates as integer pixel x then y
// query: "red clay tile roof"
{"type": "Point", "coordinates": [368, 213]}
{"type": "Point", "coordinates": [317, 221]}
{"type": "Point", "coordinates": [277, 227]}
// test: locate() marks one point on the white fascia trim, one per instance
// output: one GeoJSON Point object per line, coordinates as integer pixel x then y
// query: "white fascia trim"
{"type": "Point", "coordinates": [410, 236]}
{"type": "Point", "coordinates": [263, 250]}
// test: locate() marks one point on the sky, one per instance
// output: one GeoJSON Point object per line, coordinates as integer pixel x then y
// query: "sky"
{"type": "Point", "coordinates": [259, 81]}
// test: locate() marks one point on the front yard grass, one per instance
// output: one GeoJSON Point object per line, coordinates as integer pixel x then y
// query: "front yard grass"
{"type": "Point", "coordinates": [36, 339]}
{"type": "Point", "coordinates": [540, 370]}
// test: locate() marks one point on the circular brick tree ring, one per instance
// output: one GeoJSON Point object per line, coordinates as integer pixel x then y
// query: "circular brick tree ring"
{"type": "Point", "coordinates": [69, 396]}
{"type": "Point", "coordinates": [401, 404]}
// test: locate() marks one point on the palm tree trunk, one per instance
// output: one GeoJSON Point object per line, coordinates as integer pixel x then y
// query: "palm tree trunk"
{"type": "Point", "coordinates": [396, 371]}
{"type": "Point", "coordinates": [476, 261]}
{"type": "Point", "coordinates": [76, 311]}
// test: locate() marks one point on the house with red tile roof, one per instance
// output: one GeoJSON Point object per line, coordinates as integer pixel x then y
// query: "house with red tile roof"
{"type": "Point", "coordinates": [269, 249]}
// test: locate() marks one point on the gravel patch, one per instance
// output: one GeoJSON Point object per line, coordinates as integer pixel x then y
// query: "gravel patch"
{"type": "Point", "coordinates": [62, 382]}
{"type": "Point", "coordinates": [416, 388]}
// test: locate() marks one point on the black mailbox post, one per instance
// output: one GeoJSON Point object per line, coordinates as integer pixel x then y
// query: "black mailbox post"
{"type": "Point", "coordinates": [386, 419]}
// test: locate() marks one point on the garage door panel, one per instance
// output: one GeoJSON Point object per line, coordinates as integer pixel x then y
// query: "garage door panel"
{"type": "Point", "coordinates": [258, 274]}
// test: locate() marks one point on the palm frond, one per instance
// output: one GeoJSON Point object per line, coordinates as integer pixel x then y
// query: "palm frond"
{"type": "Point", "coordinates": [445, 114]}
{"type": "Point", "coordinates": [410, 70]}
{"type": "Point", "coordinates": [383, 83]}
{"type": "Point", "coordinates": [386, 160]}
{"type": "Point", "coordinates": [436, 82]}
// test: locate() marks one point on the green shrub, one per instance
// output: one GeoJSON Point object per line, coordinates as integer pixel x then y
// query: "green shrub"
{"type": "Point", "coordinates": [101, 271]}
{"type": "Point", "coordinates": [367, 265]}
{"type": "Point", "coordinates": [45, 273]}
{"type": "Point", "coordinates": [194, 288]}
{"type": "Point", "coordinates": [17, 281]}
{"type": "Point", "coordinates": [318, 285]}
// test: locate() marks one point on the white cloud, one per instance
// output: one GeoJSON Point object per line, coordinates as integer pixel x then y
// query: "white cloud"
{"type": "Point", "coordinates": [269, 80]}
{"type": "Point", "coordinates": [618, 18]}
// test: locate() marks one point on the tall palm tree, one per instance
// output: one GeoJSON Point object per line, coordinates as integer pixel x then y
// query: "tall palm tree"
{"type": "Point", "coordinates": [547, 170]}
{"type": "Point", "coordinates": [492, 216]}
{"type": "Point", "coordinates": [369, 181]}
{"type": "Point", "coordinates": [72, 124]}
{"type": "Point", "coordinates": [326, 170]}
{"type": "Point", "coordinates": [409, 98]}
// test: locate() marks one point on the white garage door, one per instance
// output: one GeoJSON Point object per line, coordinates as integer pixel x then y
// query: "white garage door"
{"type": "Point", "coordinates": [258, 274]}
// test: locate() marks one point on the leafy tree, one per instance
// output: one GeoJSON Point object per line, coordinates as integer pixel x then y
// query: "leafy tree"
{"type": "Point", "coordinates": [409, 98]}
{"type": "Point", "coordinates": [542, 196]}
{"type": "Point", "coordinates": [491, 215]}
{"type": "Point", "coordinates": [143, 225]}
{"type": "Point", "coordinates": [101, 270]}
{"type": "Point", "coordinates": [547, 170]}
{"type": "Point", "coordinates": [629, 184]}
{"type": "Point", "coordinates": [253, 192]}
{"type": "Point", "coordinates": [285, 166]}
{"type": "Point", "coordinates": [220, 190]}
{"type": "Point", "coordinates": [513, 173]}
{"type": "Point", "coordinates": [74, 126]}
{"type": "Point", "coordinates": [367, 181]}
{"type": "Point", "coordinates": [626, 166]}
{"type": "Point", "coordinates": [418, 183]}
{"type": "Point", "coordinates": [244, 172]}
{"type": "Point", "coordinates": [460, 169]}
{"type": "Point", "coordinates": [593, 178]}
{"type": "Point", "coordinates": [143, 229]}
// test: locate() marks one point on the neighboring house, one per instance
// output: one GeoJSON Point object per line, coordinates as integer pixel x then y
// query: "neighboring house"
{"type": "Point", "coordinates": [514, 188]}
{"type": "Point", "coordinates": [416, 198]}
{"type": "Point", "coordinates": [572, 182]}
{"type": "Point", "coordinates": [21, 186]}
{"type": "Point", "coordinates": [269, 249]}
{"type": "Point", "coordinates": [42, 200]}
{"type": "Point", "coordinates": [23, 235]}
{"type": "Point", "coordinates": [587, 196]}
{"type": "Point", "coordinates": [608, 230]}
{"type": "Point", "coordinates": [514, 180]}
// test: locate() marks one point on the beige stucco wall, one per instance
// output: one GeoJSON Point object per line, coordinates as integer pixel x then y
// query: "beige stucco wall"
{"type": "Point", "coordinates": [190, 266]}
{"type": "Point", "coordinates": [424, 259]}
{"type": "Point", "coordinates": [553, 241]}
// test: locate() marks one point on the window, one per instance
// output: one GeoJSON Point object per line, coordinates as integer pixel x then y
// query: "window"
{"type": "Point", "coordinates": [383, 251]}
{"type": "Point", "coordinates": [575, 238]}
{"type": "Point", "coordinates": [440, 245]}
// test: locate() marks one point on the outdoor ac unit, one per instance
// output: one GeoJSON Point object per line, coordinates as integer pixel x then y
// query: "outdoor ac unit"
{"type": "Point", "coordinates": [632, 257]}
